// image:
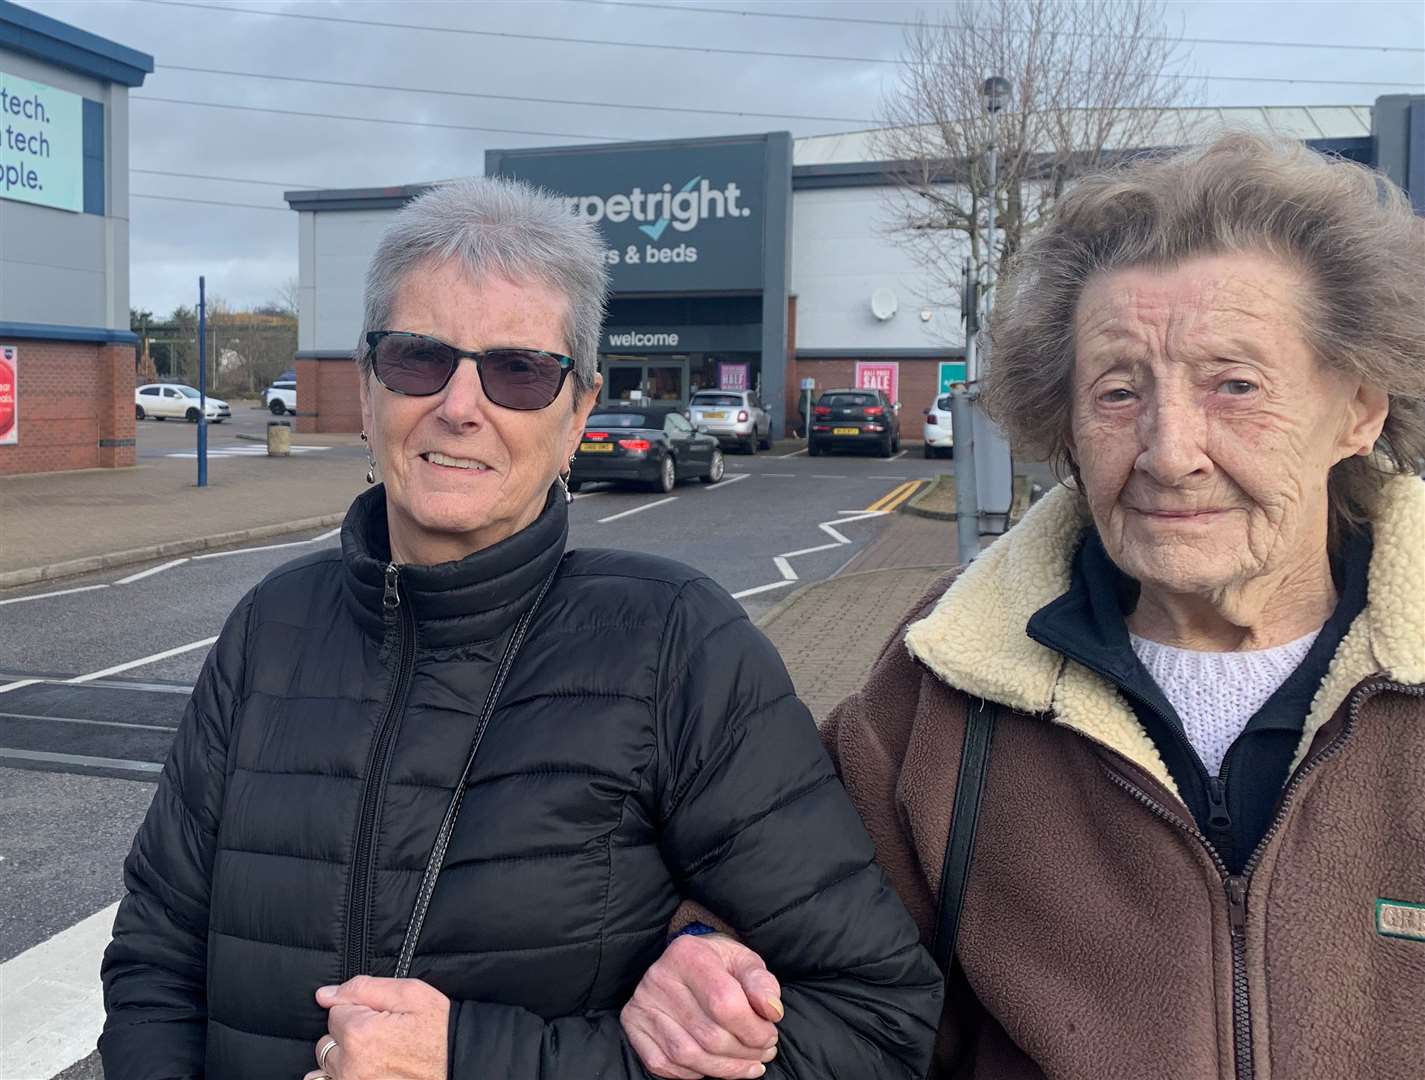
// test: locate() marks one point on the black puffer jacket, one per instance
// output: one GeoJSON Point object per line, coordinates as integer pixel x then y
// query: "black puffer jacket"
{"type": "Point", "coordinates": [648, 746]}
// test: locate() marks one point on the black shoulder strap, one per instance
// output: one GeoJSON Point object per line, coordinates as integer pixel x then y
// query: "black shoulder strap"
{"type": "Point", "coordinates": [969, 789]}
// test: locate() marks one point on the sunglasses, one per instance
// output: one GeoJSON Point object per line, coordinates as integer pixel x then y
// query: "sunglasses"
{"type": "Point", "coordinates": [418, 365]}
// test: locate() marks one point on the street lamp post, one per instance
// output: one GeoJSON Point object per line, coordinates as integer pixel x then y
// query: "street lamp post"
{"type": "Point", "coordinates": [994, 95]}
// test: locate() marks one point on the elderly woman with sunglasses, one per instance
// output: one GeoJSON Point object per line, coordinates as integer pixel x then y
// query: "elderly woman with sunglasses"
{"type": "Point", "coordinates": [438, 793]}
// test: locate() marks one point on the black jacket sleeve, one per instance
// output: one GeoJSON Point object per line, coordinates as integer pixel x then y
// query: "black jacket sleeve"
{"type": "Point", "coordinates": [757, 828]}
{"type": "Point", "coordinates": [155, 968]}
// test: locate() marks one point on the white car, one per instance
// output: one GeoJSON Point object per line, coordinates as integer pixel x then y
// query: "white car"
{"type": "Point", "coordinates": [162, 400]}
{"type": "Point", "coordinates": [939, 432]}
{"type": "Point", "coordinates": [281, 397]}
{"type": "Point", "coordinates": [733, 416]}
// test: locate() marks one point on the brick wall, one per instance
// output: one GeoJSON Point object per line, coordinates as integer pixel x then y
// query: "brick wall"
{"type": "Point", "coordinates": [328, 396]}
{"type": "Point", "coordinates": [71, 396]}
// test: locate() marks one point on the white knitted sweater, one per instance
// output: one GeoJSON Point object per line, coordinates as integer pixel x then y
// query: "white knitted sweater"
{"type": "Point", "coordinates": [1216, 693]}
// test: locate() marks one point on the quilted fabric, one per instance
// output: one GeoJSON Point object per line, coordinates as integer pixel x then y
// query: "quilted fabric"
{"type": "Point", "coordinates": [648, 746]}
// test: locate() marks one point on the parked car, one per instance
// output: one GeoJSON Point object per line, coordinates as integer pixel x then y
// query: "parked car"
{"type": "Point", "coordinates": [162, 400]}
{"type": "Point", "coordinates": [733, 416]}
{"type": "Point", "coordinates": [281, 396]}
{"type": "Point", "coordinates": [939, 431]}
{"type": "Point", "coordinates": [653, 445]}
{"type": "Point", "coordinates": [855, 419]}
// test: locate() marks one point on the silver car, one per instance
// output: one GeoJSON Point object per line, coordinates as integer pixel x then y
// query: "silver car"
{"type": "Point", "coordinates": [733, 416]}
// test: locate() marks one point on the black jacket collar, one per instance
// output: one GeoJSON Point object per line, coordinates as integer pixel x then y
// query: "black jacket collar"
{"type": "Point", "coordinates": [475, 599]}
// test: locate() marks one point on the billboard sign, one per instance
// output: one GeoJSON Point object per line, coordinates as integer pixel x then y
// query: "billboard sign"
{"type": "Point", "coordinates": [677, 217]}
{"type": "Point", "coordinates": [881, 375]}
{"type": "Point", "coordinates": [9, 395]}
{"type": "Point", "coordinates": [41, 144]}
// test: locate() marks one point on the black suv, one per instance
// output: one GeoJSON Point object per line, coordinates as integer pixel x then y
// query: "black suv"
{"type": "Point", "coordinates": [855, 419]}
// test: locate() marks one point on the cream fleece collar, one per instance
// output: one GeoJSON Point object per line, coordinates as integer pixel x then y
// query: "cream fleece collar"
{"type": "Point", "coordinates": [975, 639]}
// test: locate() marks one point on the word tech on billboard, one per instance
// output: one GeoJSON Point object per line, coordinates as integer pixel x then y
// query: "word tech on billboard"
{"type": "Point", "coordinates": [41, 144]}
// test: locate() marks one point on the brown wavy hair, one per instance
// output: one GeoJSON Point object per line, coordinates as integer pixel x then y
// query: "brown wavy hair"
{"type": "Point", "coordinates": [1348, 230]}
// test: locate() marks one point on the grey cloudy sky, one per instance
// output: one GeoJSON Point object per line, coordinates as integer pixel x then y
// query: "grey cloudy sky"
{"type": "Point", "coordinates": [247, 254]}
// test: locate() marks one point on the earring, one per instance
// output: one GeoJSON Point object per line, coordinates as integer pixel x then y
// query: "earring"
{"type": "Point", "coordinates": [563, 478]}
{"type": "Point", "coordinates": [370, 460]}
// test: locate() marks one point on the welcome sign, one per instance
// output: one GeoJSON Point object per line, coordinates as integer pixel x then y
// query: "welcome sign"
{"type": "Point", "coordinates": [41, 144]}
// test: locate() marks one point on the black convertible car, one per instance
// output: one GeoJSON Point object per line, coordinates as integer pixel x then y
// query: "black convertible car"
{"type": "Point", "coordinates": [646, 444]}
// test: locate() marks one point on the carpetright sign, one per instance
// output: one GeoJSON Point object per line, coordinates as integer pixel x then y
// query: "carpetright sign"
{"type": "Point", "coordinates": [677, 217]}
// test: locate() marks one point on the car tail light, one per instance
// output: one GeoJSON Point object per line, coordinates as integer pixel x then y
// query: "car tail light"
{"type": "Point", "coordinates": [742, 417]}
{"type": "Point", "coordinates": [931, 418]}
{"type": "Point", "coordinates": [822, 410]}
{"type": "Point", "coordinates": [874, 410]}
{"type": "Point", "coordinates": [635, 444]}
{"type": "Point", "coordinates": [596, 436]}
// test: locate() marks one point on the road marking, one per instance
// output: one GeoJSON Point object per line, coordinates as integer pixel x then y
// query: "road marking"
{"type": "Point", "coordinates": [637, 509]}
{"type": "Point", "coordinates": [53, 758]}
{"type": "Point", "coordinates": [142, 661]}
{"type": "Point", "coordinates": [761, 589]}
{"type": "Point", "coordinates": [150, 572]}
{"type": "Point", "coordinates": [17, 685]}
{"type": "Point", "coordinates": [899, 500]}
{"type": "Point", "coordinates": [79, 720]}
{"type": "Point", "coordinates": [100, 684]}
{"type": "Point", "coordinates": [885, 501]}
{"type": "Point", "coordinates": [266, 547]}
{"type": "Point", "coordinates": [794, 453]}
{"type": "Point", "coordinates": [897, 457]}
{"type": "Point", "coordinates": [52, 1001]}
{"type": "Point", "coordinates": [325, 536]}
{"type": "Point", "coordinates": [47, 595]}
{"type": "Point", "coordinates": [783, 563]}
{"type": "Point", "coordinates": [242, 451]}
{"type": "Point", "coordinates": [791, 475]}
{"type": "Point", "coordinates": [725, 481]}
{"type": "Point", "coordinates": [828, 476]}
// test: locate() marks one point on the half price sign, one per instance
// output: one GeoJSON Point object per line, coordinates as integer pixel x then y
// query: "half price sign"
{"type": "Point", "coordinates": [9, 395]}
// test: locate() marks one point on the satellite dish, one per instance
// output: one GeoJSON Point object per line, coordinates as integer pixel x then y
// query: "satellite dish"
{"type": "Point", "coordinates": [883, 304]}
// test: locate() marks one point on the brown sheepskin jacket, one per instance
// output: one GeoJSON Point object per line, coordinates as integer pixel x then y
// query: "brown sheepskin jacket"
{"type": "Point", "coordinates": [1101, 937]}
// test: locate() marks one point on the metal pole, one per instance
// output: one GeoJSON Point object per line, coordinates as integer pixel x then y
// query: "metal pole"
{"type": "Point", "coordinates": [967, 511]}
{"type": "Point", "coordinates": [990, 238]}
{"type": "Point", "coordinates": [202, 384]}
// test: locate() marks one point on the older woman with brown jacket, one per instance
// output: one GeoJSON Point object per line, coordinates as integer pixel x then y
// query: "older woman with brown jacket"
{"type": "Point", "coordinates": [1190, 686]}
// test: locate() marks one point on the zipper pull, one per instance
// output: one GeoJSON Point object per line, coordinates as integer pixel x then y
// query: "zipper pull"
{"type": "Point", "coordinates": [391, 597]}
{"type": "Point", "coordinates": [1237, 903]}
{"type": "Point", "coordinates": [1218, 819]}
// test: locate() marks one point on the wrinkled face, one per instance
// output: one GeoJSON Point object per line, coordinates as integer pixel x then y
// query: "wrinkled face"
{"type": "Point", "coordinates": [505, 459]}
{"type": "Point", "coordinates": [1203, 426]}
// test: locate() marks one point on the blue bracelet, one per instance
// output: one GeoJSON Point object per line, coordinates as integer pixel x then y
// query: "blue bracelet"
{"type": "Point", "coordinates": [695, 929]}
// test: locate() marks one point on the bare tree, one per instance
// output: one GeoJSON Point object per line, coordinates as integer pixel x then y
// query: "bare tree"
{"type": "Point", "coordinates": [1087, 79]}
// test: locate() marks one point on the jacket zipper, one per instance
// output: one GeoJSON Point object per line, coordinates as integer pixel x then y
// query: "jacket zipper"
{"type": "Point", "coordinates": [1237, 885]}
{"type": "Point", "coordinates": [400, 621]}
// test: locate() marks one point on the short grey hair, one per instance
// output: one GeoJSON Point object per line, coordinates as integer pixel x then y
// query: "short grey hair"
{"type": "Point", "coordinates": [501, 227]}
{"type": "Point", "coordinates": [1348, 230]}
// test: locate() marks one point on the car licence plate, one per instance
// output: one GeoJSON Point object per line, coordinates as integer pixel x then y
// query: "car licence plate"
{"type": "Point", "coordinates": [845, 431]}
{"type": "Point", "coordinates": [596, 448]}
{"type": "Point", "coordinates": [714, 416]}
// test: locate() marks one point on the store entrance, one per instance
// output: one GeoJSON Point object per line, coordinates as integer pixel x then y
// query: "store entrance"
{"type": "Point", "coordinates": [662, 378]}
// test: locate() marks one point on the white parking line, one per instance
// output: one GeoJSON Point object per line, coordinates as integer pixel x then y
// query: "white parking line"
{"type": "Point", "coordinates": [150, 572]}
{"type": "Point", "coordinates": [51, 1000]}
{"type": "Point", "coordinates": [761, 589]}
{"type": "Point", "coordinates": [897, 457]}
{"type": "Point", "coordinates": [828, 476]}
{"type": "Point", "coordinates": [789, 475]}
{"type": "Point", "coordinates": [725, 481]}
{"type": "Point", "coordinates": [267, 547]}
{"type": "Point", "coordinates": [143, 660]}
{"type": "Point", "coordinates": [785, 567]}
{"type": "Point", "coordinates": [47, 595]}
{"type": "Point", "coordinates": [17, 685]}
{"type": "Point", "coordinates": [637, 509]}
{"type": "Point", "coordinates": [794, 453]}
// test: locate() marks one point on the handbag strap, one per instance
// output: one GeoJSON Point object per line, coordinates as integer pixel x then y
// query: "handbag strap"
{"type": "Point", "coordinates": [960, 847]}
{"type": "Point", "coordinates": [452, 811]}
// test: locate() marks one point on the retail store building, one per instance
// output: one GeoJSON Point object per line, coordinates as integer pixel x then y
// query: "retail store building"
{"type": "Point", "coordinates": [66, 353]}
{"type": "Point", "coordinates": [749, 262]}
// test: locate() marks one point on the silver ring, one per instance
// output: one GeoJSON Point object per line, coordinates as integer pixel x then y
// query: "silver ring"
{"type": "Point", "coordinates": [323, 1053]}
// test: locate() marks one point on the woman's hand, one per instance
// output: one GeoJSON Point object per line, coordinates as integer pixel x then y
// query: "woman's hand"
{"type": "Point", "coordinates": [708, 1007]}
{"type": "Point", "coordinates": [385, 1029]}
